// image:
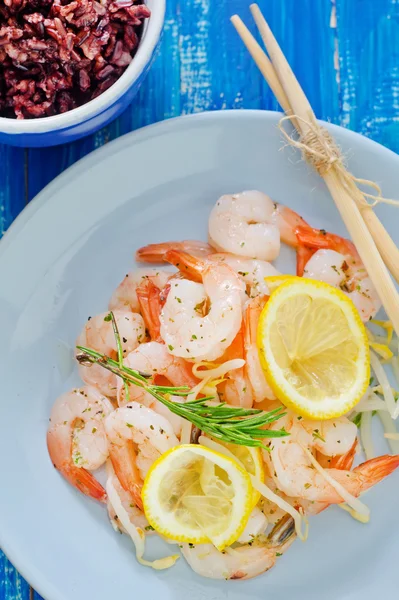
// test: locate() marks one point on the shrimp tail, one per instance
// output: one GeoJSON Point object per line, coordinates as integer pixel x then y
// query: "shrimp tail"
{"type": "Point", "coordinates": [303, 255]}
{"type": "Point", "coordinates": [190, 266]}
{"type": "Point", "coordinates": [375, 470]}
{"type": "Point", "coordinates": [60, 454]}
{"type": "Point", "coordinates": [321, 239]}
{"type": "Point", "coordinates": [155, 253]}
{"type": "Point", "coordinates": [123, 459]}
{"type": "Point", "coordinates": [149, 298]}
{"type": "Point", "coordinates": [344, 462]}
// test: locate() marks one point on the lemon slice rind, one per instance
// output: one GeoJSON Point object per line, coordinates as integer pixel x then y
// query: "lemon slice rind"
{"type": "Point", "coordinates": [274, 281]}
{"type": "Point", "coordinates": [157, 487]}
{"type": "Point", "coordinates": [354, 383]}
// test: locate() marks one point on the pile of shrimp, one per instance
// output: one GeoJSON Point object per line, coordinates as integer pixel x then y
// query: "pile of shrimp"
{"type": "Point", "coordinates": [201, 312]}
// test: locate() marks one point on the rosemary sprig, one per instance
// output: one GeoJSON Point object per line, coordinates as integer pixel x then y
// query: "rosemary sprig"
{"type": "Point", "coordinates": [231, 424]}
{"type": "Point", "coordinates": [119, 348]}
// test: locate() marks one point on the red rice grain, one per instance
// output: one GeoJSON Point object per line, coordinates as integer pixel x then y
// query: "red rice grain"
{"type": "Point", "coordinates": [56, 55]}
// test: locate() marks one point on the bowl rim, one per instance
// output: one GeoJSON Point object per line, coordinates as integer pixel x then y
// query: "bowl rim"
{"type": "Point", "coordinates": [148, 42]}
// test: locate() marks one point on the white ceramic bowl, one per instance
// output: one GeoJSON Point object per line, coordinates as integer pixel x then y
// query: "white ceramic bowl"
{"type": "Point", "coordinates": [81, 121]}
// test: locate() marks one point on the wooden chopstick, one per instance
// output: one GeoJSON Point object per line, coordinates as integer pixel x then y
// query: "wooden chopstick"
{"type": "Point", "coordinates": [263, 63]}
{"type": "Point", "coordinates": [349, 210]}
{"type": "Point", "coordinates": [383, 241]}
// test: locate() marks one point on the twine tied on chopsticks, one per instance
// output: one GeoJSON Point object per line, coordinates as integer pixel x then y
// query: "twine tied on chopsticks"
{"type": "Point", "coordinates": [322, 153]}
{"type": "Point", "coordinates": [376, 248]}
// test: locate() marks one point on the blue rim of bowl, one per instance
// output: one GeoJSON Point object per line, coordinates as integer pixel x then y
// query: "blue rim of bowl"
{"type": "Point", "coordinates": [35, 577]}
{"type": "Point", "coordinates": [149, 40]}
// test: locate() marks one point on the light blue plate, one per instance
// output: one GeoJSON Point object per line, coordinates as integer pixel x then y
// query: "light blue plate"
{"type": "Point", "coordinates": [60, 262]}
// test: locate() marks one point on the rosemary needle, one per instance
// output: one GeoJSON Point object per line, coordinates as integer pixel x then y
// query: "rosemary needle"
{"type": "Point", "coordinates": [120, 349]}
{"type": "Point", "coordinates": [231, 424]}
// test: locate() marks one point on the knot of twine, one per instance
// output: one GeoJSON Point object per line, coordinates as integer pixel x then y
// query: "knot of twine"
{"type": "Point", "coordinates": [322, 153]}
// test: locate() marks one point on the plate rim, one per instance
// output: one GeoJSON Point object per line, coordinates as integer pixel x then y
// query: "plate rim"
{"type": "Point", "coordinates": [37, 579]}
{"type": "Point", "coordinates": [148, 131]}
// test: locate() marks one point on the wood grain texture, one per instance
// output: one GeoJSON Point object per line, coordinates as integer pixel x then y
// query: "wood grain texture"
{"type": "Point", "coordinates": [344, 52]}
{"type": "Point", "coordinates": [12, 585]}
{"type": "Point", "coordinates": [368, 34]}
{"type": "Point", "coordinates": [12, 185]}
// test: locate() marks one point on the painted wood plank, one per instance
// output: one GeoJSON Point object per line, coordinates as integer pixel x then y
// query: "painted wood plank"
{"type": "Point", "coordinates": [12, 185]}
{"type": "Point", "coordinates": [303, 31]}
{"type": "Point", "coordinates": [368, 37]}
{"type": "Point", "coordinates": [203, 66]}
{"type": "Point", "coordinates": [12, 585]}
{"type": "Point", "coordinates": [159, 96]}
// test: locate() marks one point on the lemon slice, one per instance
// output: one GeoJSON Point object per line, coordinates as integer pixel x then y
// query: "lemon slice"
{"type": "Point", "coordinates": [251, 459]}
{"type": "Point", "coordinates": [274, 281]}
{"type": "Point", "coordinates": [314, 349]}
{"type": "Point", "coordinates": [194, 494]}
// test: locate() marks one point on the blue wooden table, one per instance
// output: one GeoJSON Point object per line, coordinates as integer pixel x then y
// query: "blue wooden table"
{"type": "Point", "coordinates": [344, 52]}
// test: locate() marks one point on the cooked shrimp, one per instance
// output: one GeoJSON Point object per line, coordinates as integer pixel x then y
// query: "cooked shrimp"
{"type": "Point", "coordinates": [125, 295]}
{"type": "Point", "coordinates": [254, 372]}
{"type": "Point", "coordinates": [154, 253]}
{"type": "Point", "coordinates": [272, 512]}
{"type": "Point", "coordinates": [136, 516]}
{"type": "Point", "coordinates": [153, 358]}
{"type": "Point", "coordinates": [252, 271]}
{"type": "Point", "coordinates": [334, 437]}
{"type": "Point", "coordinates": [294, 474]}
{"type": "Point", "coordinates": [345, 461]}
{"type": "Point", "coordinates": [98, 335]}
{"type": "Point", "coordinates": [362, 478]}
{"type": "Point", "coordinates": [251, 224]}
{"type": "Point", "coordinates": [76, 439]}
{"type": "Point", "coordinates": [150, 301]}
{"type": "Point", "coordinates": [137, 436]}
{"type": "Point", "coordinates": [241, 562]}
{"type": "Point", "coordinates": [256, 526]}
{"type": "Point", "coordinates": [190, 333]}
{"type": "Point", "coordinates": [235, 389]}
{"type": "Point", "coordinates": [337, 262]}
